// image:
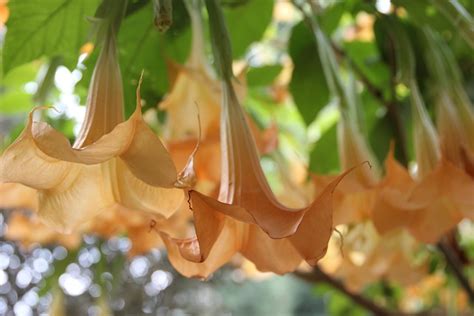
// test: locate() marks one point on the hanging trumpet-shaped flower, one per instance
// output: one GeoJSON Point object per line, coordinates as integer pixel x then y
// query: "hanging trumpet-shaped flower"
{"type": "Point", "coordinates": [111, 163]}
{"type": "Point", "coordinates": [354, 198]}
{"type": "Point", "coordinates": [367, 257]}
{"type": "Point", "coordinates": [440, 195]}
{"type": "Point", "coordinates": [246, 217]}
{"type": "Point", "coordinates": [196, 92]}
{"type": "Point", "coordinates": [193, 83]}
{"type": "Point", "coordinates": [428, 206]}
{"type": "Point", "coordinates": [454, 113]}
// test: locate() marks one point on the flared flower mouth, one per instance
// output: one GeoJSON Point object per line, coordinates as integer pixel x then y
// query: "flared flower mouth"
{"type": "Point", "coordinates": [246, 214]}
{"type": "Point", "coordinates": [246, 217]}
{"type": "Point", "coordinates": [428, 207]}
{"type": "Point", "coordinates": [111, 162]}
{"type": "Point", "coordinates": [366, 257]}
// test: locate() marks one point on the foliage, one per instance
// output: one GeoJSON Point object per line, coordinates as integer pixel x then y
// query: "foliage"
{"type": "Point", "coordinates": [286, 83]}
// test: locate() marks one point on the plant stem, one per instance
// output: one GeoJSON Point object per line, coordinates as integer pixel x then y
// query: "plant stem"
{"type": "Point", "coordinates": [318, 276]}
{"type": "Point", "coordinates": [456, 266]}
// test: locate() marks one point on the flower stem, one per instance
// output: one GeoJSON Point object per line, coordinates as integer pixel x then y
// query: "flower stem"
{"type": "Point", "coordinates": [456, 266]}
{"type": "Point", "coordinates": [221, 46]}
{"type": "Point", "coordinates": [318, 276]}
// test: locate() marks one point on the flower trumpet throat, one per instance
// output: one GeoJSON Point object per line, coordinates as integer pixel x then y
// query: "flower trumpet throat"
{"type": "Point", "coordinates": [246, 217]}
{"type": "Point", "coordinates": [104, 106]}
{"type": "Point", "coordinates": [436, 200]}
{"type": "Point", "coordinates": [112, 163]}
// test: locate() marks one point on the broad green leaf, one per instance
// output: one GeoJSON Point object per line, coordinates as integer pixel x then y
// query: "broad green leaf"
{"type": "Point", "coordinates": [39, 28]}
{"type": "Point", "coordinates": [247, 20]}
{"type": "Point", "coordinates": [143, 47]}
{"type": "Point", "coordinates": [366, 57]}
{"type": "Point", "coordinates": [331, 17]}
{"type": "Point", "coordinates": [308, 84]}
{"type": "Point", "coordinates": [324, 157]}
{"type": "Point", "coordinates": [263, 76]}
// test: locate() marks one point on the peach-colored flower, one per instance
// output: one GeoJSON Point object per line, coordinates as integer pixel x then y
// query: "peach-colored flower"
{"type": "Point", "coordinates": [436, 200]}
{"type": "Point", "coordinates": [17, 196]}
{"type": "Point", "coordinates": [30, 231]}
{"type": "Point", "coordinates": [367, 257]}
{"type": "Point", "coordinates": [246, 217]}
{"type": "Point", "coordinates": [112, 162]}
{"type": "Point", "coordinates": [354, 198]}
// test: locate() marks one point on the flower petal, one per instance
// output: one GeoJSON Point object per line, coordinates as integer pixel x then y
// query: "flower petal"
{"type": "Point", "coordinates": [146, 157]}
{"type": "Point", "coordinates": [270, 255]}
{"type": "Point", "coordinates": [135, 194]}
{"type": "Point", "coordinates": [81, 195]}
{"type": "Point", "coordinates": [225, 247]}
{"type": "Point", "coordinates": [25, 163]}
{"type": "Point", "coordinates": [132, 140]}
{"type": "Point", "coordinates": [29, 231]}
{"type": "Point", "coordinates": [15, 195]}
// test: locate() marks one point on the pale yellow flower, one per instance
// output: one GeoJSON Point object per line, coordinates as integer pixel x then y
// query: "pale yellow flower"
{"type": "Point", "coordinates": [111, 163]}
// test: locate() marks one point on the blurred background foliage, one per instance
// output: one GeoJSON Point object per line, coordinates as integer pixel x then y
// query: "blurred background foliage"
{"type": "Point", "coordinates": [41, 46]}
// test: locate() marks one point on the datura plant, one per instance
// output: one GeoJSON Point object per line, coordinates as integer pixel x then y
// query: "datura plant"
{"type": "Point", "coordinates": [246, 217]}
{"type": "Point", "coordinates": [454, 111]}
{"type": "Point", "coordinates": [193, 89]}
{"type": "Point", "coordinates": [193, 107]}
{"type": "Point", "coordinates": [440, 194]}
{"type": "Point", "coordinates": [355, 196]}
{"type": "Point", "coordinates": [358, 254]}
{"type": "Point", "coordinates": [112, 164]}
{"type": "Point", "coordinates": [365, 257]}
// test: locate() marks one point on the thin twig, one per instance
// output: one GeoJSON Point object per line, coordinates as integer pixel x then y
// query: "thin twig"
{"type": "Point", "coordinates": [318, 276]}
{"type": "Point", "coordinates": [456, 266]}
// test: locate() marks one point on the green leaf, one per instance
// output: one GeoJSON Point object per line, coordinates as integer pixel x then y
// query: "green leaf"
{"type": "Point", "coordinates": [331, 17]}
{"type": "Point", "coordinates": [247, 20]}
{"type": "Point", "coordinates": [263, 76]}
{"type": "Point", "coordinates": [39, 28]}
{"type": "Point", "coordinates": [366, 57]}
{"type": "Point", "coordinates": [308, 84]}
{"type": "Point", "coordinates": [324, 157]}
{"type": "Point", "coordinates": [142, 47]}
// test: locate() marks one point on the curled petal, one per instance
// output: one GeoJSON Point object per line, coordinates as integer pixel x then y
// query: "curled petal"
{"type": "Point", "coordinates": [132, 141]}
{"type": "Point", "coordinates": [353, 200]}
{"type": "Point", "coordinates": [128, 166]}
{"type": "Point", "coordinates": [146, 157]}
{"type": "Point", "coordinates": [22, 157]}
{"type": "Point", "coordinates": [427, 208]}
{"type": "Point", "coordinates": [395, 187]}
{"type": "Point", "coordinates": [224, 248]}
